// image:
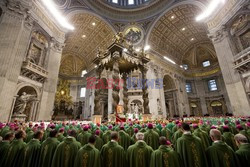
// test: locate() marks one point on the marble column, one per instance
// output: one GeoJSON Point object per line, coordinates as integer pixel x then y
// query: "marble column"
{"type": "Point", "coordinates": [145, 90]}
{"type": "Point", "coordinates": [15, 29]}
{"type": "Point", "coordinates": [97, 107]}
{"type": "Point", "coordinates": [115, 92]}
{"type": "Point", "coordinates": [234, 85]}
{"type": "Point", "coordinates": [50, 86]}
{"type": "Point", "coordinates": [125, 93]}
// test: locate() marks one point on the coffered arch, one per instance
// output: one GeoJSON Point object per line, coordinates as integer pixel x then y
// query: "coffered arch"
{"type": "Point", "coordinates": [90, 34]}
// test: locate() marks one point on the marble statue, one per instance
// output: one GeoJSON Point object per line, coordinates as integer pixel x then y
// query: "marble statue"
{"type": "Point", "coordinates": [22, 101]}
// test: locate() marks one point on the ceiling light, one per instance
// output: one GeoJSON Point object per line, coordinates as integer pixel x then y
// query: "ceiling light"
{"type": "Point", "coordinates": [93, 24]}
{"type": "Point", "coordinates": [95, 66]}
{"type": "Point", "coordinates": [57, 15]}
{"type": "Point", "coordinates": [168, 59]}
{"type": "Point", "coordinates": [83, 36]}
{"type": "Point", "coordinates": [181, 66]}
{"type": "Point", "coordinates": [172, 17]}
{"type": "Point", "coordinates": [147, 47]}
{"type": "Point", "coordinates": [210, 9]}
{"type": "Point", "coordinates": [192, 39]}
{"type": "Point", "coordinates": [125, 49]}
{"type": "Point", "coordinates": [137, 49]}
{"type": "Point", "coordinates": [183, 29]}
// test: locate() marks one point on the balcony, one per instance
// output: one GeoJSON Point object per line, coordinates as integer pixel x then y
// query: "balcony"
{"type": "Point", "coordinates": [242, 61]}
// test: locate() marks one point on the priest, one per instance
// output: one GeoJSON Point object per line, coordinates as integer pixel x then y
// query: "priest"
{"type": "Point", "coordinates": [243, 153]}
{"type": "Point", "coordinates": [190, 149]}
{"type": "Point", "coordinates": [220, 154]}
{"type": "Point", "coordinates": [124, 138]}
{"type": "Point", "coordinates": [88, 155]}
{"type": "Point", "coordinates": [48, 149]}
{"type": "Point", "coordinates": [205, 140]}
{"type": "Point", "coordinates": [139, 154]}
{"type": "Point", "coordinates": [99, 141]}
{"type": "Point", "coordinates": [66, 151]}
{"type": "Point", "coordinates": [32, 150]}
{"type": "Point", "coordinates": [5, 144]}
{"type": "Point", "coordinates": [165, 156]}
{"type": "Point", "coordinates": [113, 155]}
{"type": "Point", "coordinates": [84, 136]}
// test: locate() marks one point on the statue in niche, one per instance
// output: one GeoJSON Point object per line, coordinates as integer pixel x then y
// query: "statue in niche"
{"type": "Point", "coordinates": [35, 54]}
{"type": "Point", "coordinates": [21, 102]}
{"type": "Point", "coordinates": [136, 109]}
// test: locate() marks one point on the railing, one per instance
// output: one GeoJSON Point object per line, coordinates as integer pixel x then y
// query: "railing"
{"type": "Point", "coordinates": [35, 68]}
{"type": "Point", "coordinates": [242, 58]}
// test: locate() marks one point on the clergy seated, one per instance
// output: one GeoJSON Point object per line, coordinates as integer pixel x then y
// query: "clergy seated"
{"type": "Point", "coordinates": [32, 150]}
{"type": "Point", "coordinates": [220, 154]}
{"type": "Point", "coordinates": [88, 155]}
{"type": "Point", "coordinates": [190, 149]}
{"type": "Point", "coordinates": [165, 156]}
{"type": "Point", "coordinates": [151, 137]}
{"type": "Point", "coordinates": [112, 153]}
{"type": "Point", "coordinates": [139, 154]}
{"type": "Point", "coordinates": [15, 154]}
{"type": "Point", "coordinates": [243, 153]}
{"type": "Point", "coordinates": [66, 151]}
{"type": "Point", "coordinates": [5, 144]}
{"type": "Point", "coordinates": [48, 149]}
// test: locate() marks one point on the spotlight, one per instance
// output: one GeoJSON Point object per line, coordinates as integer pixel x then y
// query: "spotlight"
{"type": "Point", "coordinates": [168, 59]}
{"type": "Point", "coordinates": [93, 24]}
{"type": "Point", "coordinates": [147, 47]}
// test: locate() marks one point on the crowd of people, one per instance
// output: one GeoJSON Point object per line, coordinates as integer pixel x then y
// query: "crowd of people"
{"type": "Point", "coordinates": [169, 143]}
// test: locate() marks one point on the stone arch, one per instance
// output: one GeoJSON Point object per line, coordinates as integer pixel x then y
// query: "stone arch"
{"type": "Point", "coordinates": [26, 102]}
{"type": "Point", "coordinates": [217, 107]}
{"type": "Point", "coordinates": [191, 2]}
{"type": "Point", "coordinates": [168, 83]}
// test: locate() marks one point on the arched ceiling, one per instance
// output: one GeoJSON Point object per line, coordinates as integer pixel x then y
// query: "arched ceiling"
{"type": "Point", "coordinates": [176, 32]}
{"type": "Point", "coordinates": [82, 43]}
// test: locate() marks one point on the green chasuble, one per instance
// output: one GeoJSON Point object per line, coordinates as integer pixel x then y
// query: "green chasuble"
{"type": "Point", "coordinates": [113, 155]}
{"type": "Point", "coordinates": [48, 149]}
{"type": "Point", "coordinates": [243, 155]}
{"type": "Point", "coordinates": [66, 152]}
{"type": "Point", "coordinates": [176, 136]}
{"type": "Point", "coordinates": [229, 139]}
{"type": "Point", "coordinates": [4, 146]}
{"type": "Point", "coordinates": [15, 154]}
{"type": "Point", "coordinates": [191, 151]}
{"type": "Point", "coordinates": [106, 137]}
{"type": "Point", "coordinates": [165, 156]}
{"type": "Point", "coordinates": [32, 153]}
{"type": "Point", "coordinates": [130, 131]}
{"type": "Point", "coordinates": [139, 155]}
{"type": "Point", "coordinates": [166, 133]}
{"type": "Point", "coordinates": [60, 137]}
{"type": "Point", "coordinates": [29, 137]}
{"type": "Point", "coordinates": [203, 136]}
{"type": "Point", "coordinates": [83, 137]}
{"type": "Point", "coordinates": [152, 139]}
{"type": "Point", "coordinates": [88, 156]}
{"type": "Point", "coordinates": [98, 143]}
{"type": "Point", "coordinates": [124, 139]}
{"type": "Point", "coordinates": [221, 155]}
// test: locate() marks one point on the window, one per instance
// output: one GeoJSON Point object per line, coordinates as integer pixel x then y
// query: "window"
{"type": "Point", "coordinates": [206, 63]}
{"type": "Point", "coordinates": [188, 87]}
{"type": "Point", "coordinates": [115, 1]}
{"type": "Point", "coordinates": [131, 2]}
{"type": "Point", "coordinates": [212, 85]}
{"type": "Point", "coordinates": [185, 66]}
{"type": "Point", "coordinates": [83, 73]}
{"type": "Point", "coordinates": [83, 91]}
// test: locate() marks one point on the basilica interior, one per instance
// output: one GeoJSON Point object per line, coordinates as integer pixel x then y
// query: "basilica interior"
{"type": "Point", "coordinates": [116, 59]}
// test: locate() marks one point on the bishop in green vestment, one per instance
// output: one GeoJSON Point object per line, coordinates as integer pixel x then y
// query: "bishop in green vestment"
{"type": "Point", "coordinates": [99, 141]}
{"type": "Point", "coordinates": [139, 154]}
{"type": "Point", "coordinates": [190, 149]}
{"type": "Point", "coordinates": [32, 150]}
{"type": "Point", "coordinates": [165, 156]}
{"type": "Point", "coordinates": [220, 154]}
{"type": "Point", "coordinates": [15, 154]}
{"type": "Point", "coordinates": [151, 137]}
{"type": "Point", "coordinates": [124, 139]}
{"type": "Point", "coordinates": [243, 153]}
{"type": "Point", "coordinates": [229, 138]}
{"type": "Point", "coordinates": [166, 133]}
{"type": "Point", "coordinates": [66, 151]}
{"type": "Point", "coordinates": [83, 137]}
{"type": "Point", "coordinates": [205, 140]}
{"type": "Point", "coordinates": [48, 149]}
{"type": "Point", "coordinates": [106, 136]}
{"type": "Point", "coordinates": [4, 145]}
{"type": "Point", "coordinates": [113, 155]}
{"type": "Point", "coordinates": [88, 155]}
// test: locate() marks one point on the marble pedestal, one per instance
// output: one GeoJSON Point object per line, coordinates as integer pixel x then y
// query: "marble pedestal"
{"type": "Point", "coordinates": [18, 117]}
